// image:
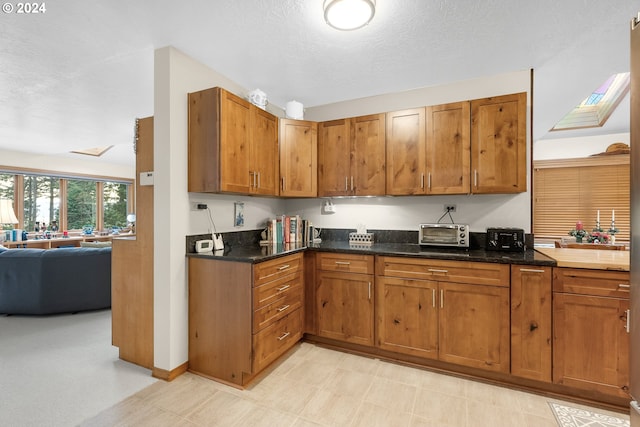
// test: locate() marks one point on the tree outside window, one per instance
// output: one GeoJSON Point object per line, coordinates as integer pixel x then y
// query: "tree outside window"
{"type": "Point", "coordinates": [115, 205]}
{"type": "Point", "coordinates": [41, 201]}
{"type": "Point", "coordinates": [81, 204]}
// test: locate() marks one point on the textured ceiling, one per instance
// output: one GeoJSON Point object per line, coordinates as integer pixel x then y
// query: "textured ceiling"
{"type": "Point", "coordinates": [76, 76]}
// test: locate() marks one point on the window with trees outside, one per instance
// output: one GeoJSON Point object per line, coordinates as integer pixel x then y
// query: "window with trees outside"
{"type": "Point", "coordinates": [70, 203]}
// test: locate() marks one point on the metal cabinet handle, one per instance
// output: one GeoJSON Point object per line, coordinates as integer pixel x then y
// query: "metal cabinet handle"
{"type": "Point", "coordinates": [422, 180]}
{"type": "Point", "coordinates": [475, 178]}
{"type": "Point", "coordinates": [284, 267]}
{"type": "Point", "coordinates": [283, 336]}
{"type": "Point", "coordinates": [346, 183]}
{"type": "Point", "coordinates": [433, 298]}
{"type": "Point", "coordinates": [283, 183]}
{"type": "Point", "coordinates": [258, 179]}
{"type": "Point", "coordinates": [369, 291]}
{"type": "Point", "coordinates": [441, 298]}
{"type": "Point", "coordinates": [343, 263]}
{"type": "Point", "coordinates": [436, 270]}
{"type": "Point", "coordinates": [282, 288]}
{"type": "Point", "coordinates": [351, 182]}
{"type": "Point", "coordinates": [531, 270]}
{"type": "Point", "coordinates": [627, 326]}
{"type": "Point", "coordinates": [624, 286]}
{"type": "Point", "coordinates": [253, 178]}
{"type": "Point", "coordinates": [429, 180]}
{"type": "Point", "coordinates": [283, 308]}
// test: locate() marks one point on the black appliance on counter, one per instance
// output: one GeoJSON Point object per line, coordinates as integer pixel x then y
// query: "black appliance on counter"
{"type": "Point", "coordinates": [505, 239]}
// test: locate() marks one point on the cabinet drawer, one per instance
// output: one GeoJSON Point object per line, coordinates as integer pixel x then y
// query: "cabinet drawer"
{"type": "Point", "coordinates": [591, 282]}
{"type": "Point", "coordinates": [480, 273]}
{"type": "Point", "coordinates": [271, 342]}
{"type": "Point", "coordinates": [269, 292]}
{"type": "Point", "coordinates": [290, 300]}
{"type": "Point", "coordinates": [348, 263]}
{"type": "Point", "coordinates": [271, 270]}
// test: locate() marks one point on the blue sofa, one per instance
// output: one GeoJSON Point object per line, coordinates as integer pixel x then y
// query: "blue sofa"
{"type": "Point", "coordinates": [48, 281]}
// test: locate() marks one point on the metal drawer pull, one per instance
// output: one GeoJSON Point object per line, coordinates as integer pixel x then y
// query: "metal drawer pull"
{"type": "Point", "coordinates": [441, 298]}
{"type": "Point", "coordinates": [624, 286]}
{"type": "Point", "coordinates": [433, 298]}
{"type": "Point", "coordinates": [343, 263]}
{"type": "Point", "coordinates": [284, 267]}
{"type": "Point", "coordinates": [369, 291]}
{"type": "Point", "coordinates": [346, 183]}
{"type": "Point", "coordinates": [283, 336]}
{"type": "Point", "coordinates": [531, 270]}
{"type": "Point", "coordinates": [282, 288]}
{"type": "Point", "coordinates": [283, 308]}
{"type": "Point", "coordinates": [435, 270]}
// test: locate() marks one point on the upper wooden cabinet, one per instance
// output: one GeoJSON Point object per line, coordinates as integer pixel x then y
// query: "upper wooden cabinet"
{"type": "Point", "coordinates": [428, 150]}
{"type": "Point", "coordinates": [233, 145]}
{"type": "Point", "coordinates": [298, 158]}
{"type": "Point", "coordinates": [405, 152]}
{"type": "Point", "coordinates": [458, 148]}
{"type": "Point", "coordinates": [351, 156]}
{"type": "Point", "coordinates": [498, 144]}
{"type": "Point", "coordinates": [448, 146]}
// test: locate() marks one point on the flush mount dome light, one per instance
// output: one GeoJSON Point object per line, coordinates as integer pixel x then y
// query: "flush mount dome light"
{"type": "Point", "coordinates": [348, 15]}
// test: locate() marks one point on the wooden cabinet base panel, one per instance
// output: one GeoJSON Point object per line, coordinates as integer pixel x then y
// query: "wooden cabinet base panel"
{"type": "Point", "coordinates": [171, 375]}
{"type": "Point", "coordinates": [550, 390]}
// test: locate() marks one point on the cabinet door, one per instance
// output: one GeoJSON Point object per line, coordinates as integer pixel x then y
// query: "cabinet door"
{"type": "Point", "coordinates": [591, 343]}
{"type": "Point", "coordinates": [531, 322]}
{"type": "Point", "coordinates": [498, 144]}
{"type": "Point", "coordinates": [474, 326]}
{"type": "Point", "coordinates": [345, 306]}
{"type": "Point", "coordinates": [334, 158]}
{"type": "Point", "coordinates": [298, 158]}
{"type": "Point", "coordinates": [368, 164]}
{"type": "Point", "coordinates": [405, 152]}
{"type": "Point", "coordinates": [407, 316]}
{"type": "Point", "coordinates": [448, 148]}
{"type": "Point", "coordinates": [234, 146]}
{"type": "Point", "coordinates": [264, 153]}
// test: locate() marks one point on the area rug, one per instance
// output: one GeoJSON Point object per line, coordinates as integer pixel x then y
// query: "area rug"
{"type": "Point", "coordinates": [576, 417]}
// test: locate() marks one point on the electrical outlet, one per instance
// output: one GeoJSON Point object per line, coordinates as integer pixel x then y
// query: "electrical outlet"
{"type": "Point", "coordinates": [449, 208]}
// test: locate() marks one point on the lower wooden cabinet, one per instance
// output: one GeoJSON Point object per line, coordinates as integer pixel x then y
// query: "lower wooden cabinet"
{"type": "Point", "coordinates": [474, 326]}
{"type": "Point", "coordinates": [344, 299]}
{"type": "Point", "coordinates": [242, 317]}
{"type": "Point", "coordinates": [590, 330]}
{"type": "Point", "coordinates": [407, 315]}
{"type": "Point", "coordinates": [461, 323]}
{"type": "Point", "coordinates": [531, 322]}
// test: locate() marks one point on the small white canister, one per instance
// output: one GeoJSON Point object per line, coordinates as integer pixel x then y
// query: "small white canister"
{"type": "Point", "coordinates": [294, 110]}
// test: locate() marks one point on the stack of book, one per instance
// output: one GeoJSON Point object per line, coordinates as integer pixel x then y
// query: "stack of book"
{"type": "Point", "coordinates": [289, 229]}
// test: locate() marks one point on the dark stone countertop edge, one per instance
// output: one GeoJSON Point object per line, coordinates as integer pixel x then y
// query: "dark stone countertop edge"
{"type": "Point", "coordinates": [256, 254]}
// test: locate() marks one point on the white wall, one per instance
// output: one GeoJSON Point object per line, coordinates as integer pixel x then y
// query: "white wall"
{"type": "Point", "coordinates": [568, 148]}
{"type": "Point", "coordinates": [175, 76]}
{"type": "Point", "coordinates": [86, 165]}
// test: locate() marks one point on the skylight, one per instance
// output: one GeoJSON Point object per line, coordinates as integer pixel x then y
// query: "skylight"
{"type": "Point", "coordinates": [96, 151]}
{"type": "Point", "coordinates": [597, 107]}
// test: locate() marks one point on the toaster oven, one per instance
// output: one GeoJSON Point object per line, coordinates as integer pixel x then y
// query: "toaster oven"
{"type": "Point", "coordinates": [449, 235]}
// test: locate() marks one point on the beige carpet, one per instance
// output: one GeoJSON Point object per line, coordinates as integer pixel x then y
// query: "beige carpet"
{"type": "Point", "coordinates": [568, 416]}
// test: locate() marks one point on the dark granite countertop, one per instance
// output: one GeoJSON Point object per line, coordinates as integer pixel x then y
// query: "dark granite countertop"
{"type": "Point", "coordinates": [256, 253]}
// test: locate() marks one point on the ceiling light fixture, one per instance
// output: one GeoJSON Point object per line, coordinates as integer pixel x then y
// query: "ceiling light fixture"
{"type": "Point", "coordinates": [348, 15]}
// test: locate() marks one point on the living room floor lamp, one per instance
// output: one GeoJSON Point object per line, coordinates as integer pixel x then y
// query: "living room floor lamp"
{"type": "Point", "coordinates": [7, 215]}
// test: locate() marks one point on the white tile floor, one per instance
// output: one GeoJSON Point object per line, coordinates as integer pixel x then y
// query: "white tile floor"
{"type": "Point", "coordinates": [316, 386]}
{"type": "Point", "coordinates": [63, 371]}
